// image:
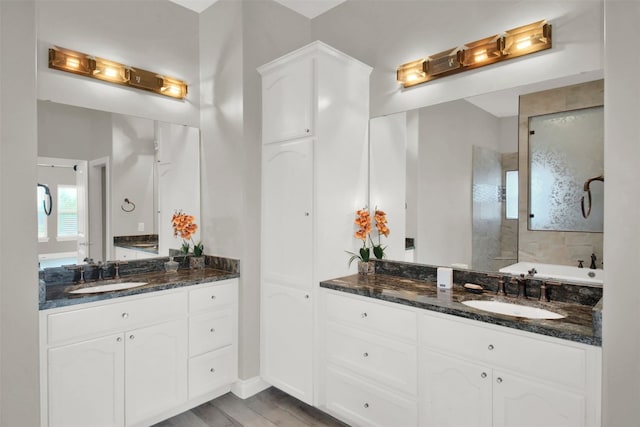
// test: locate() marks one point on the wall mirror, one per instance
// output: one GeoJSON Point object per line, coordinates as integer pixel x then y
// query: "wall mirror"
{"type": "Point", "coordinates": [109, 184]}
{"type": "Point", "coordinates": [448, 177]}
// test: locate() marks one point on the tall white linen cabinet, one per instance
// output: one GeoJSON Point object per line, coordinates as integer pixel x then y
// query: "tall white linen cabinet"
{"type": "Point", "coordinates": [315, 112]}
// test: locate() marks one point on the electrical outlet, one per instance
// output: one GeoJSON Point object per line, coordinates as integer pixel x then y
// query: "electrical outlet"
{"type": "Point", "coordinates": [141, 226]}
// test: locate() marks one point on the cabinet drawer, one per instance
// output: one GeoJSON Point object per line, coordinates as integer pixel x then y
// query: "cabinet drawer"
{"type": "Point", "coordinates": [210, 371]}
{"type": "Point", "coordinates": [362, 404]}
{"type": "Point", "coordinates": [210, 331]}
{"type": "Point", "coordinates": [213, 296]}
{"type": "Point", "coordinates": [390, 362]}
{"type": "Point", "coordinates": [120, 316]}
{"type": "Point", "coordinates": [517, 351]}
{"type": "Point", "coordinates": [372, 316]}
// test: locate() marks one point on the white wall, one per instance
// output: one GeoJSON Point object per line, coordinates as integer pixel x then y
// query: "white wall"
{"type": "Point", "coordinates": [508, 134]}
{"type": "Point", "coordinates": [385, 34]}
{"type": "Point", "coordinates": [132, 175]}
{"type": "Point", "coordinates": [621, 317]}
{"type": "Point", "coordinates": [388, 179]}
{"type": "Point", "coordinates": [19, 367]}
{"type": "Point", "coordinates": [159, 36]}
{"type": "Point", "coordinates": [236, 38]}
{"type": "Point", "coordinates": [447, 133]}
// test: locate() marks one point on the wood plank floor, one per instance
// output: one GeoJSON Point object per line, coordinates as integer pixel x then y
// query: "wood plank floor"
{"type": "Point", "coordinates": [268, 408]}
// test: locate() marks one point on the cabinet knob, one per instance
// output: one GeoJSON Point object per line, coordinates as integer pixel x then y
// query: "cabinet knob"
{"type": "Point", "coordinates": [119, 339]}
{"type": "Point", "coordinates": [212, 370]}
{"type": "Point", "coordinates": [213, 297]}
{"type": "Point", "coordinates": [125, 315]}
{"type": "Point", "coordinates": [483, 375]}
{"type": "Point", "coordinates": [306, 214]}
{"type": "Point", "coordinates": [307, 130]}
{"type": "Point", "coordinates": [491, 347]}
{"type": "Point", "coordinates": [306, 296]}
{"type": "Point", "coordinates": [366, 405]}
{"type": "Point", "coordinates": [212, 330]}
{"type": "Point", "coordinates": [364, 315]}
{"type": "Point", "coordinates": [499, 380]}
{"type": "Point", "coordinates": [365, 354]}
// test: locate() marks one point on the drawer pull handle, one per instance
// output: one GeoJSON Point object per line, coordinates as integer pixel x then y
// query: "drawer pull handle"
{"type": "Point", "coordinates": [365, 354]}
{"type": "Point", "coordinates": [483, 375]}
{"type": "Point", "coordinates": [491, 347]}
{"type": "Point", "coordinates": [499, 380]}
{"type": "Point", "coordinates": [125, 315]}
{"type": "Point", "coordinates": [212, 370]}
{"type": "Point", "coordinates": [366, 405]}
{"type": "Point", "coordinates": [132, 337]}
{"type": "Point", "coordinates": [119, 339]}
{"type": "Point", "coordinates": [364, 315]}
{"type": "Point", "coordinates": [212, 330]}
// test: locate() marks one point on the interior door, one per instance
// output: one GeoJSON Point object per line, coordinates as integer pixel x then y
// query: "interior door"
{"type": "Point", "coordinates": [82, 183]}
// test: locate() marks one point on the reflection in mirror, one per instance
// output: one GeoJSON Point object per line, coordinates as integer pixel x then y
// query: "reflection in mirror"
{"type": "Point", "coordinates": [115, 181]}
{"type": "Point", "coordinates": [566, 149]}
{"type": "Point", "coordinates": [460, 179]}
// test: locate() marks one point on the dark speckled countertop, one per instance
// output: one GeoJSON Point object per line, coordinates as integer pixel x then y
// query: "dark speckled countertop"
{"type": "Point", "coordinates": [577, 326]}
{"type": "Point", "coordinates": [59, 296]}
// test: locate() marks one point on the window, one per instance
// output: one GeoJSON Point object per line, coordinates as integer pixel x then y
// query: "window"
{"type": "Point", "coordinates": [41, 201]}
{"type": "Point", "coordinates": [511, 205]}
{"type": "Point", "coordinates": [67, 212]}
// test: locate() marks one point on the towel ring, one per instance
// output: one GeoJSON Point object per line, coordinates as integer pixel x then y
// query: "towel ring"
{"type": "Point", "coordinates": [129, 203]}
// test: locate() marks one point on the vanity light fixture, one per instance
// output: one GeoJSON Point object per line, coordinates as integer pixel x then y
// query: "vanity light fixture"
{"type": "Point", "coordinates": [513, 43]}
{"type": "Point", "coordinates": [115, 72]}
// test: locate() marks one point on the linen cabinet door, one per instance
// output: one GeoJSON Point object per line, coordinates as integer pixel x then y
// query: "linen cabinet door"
{"type": "Point", "coordinates": [287, 202]}
{"type": "Point", "coordinates": [453, 392]}
{"type": "Point", "coordinates": [287, 346]}
{"type": "Point", "coordinates": [287, 102]}
{"type": "Point", "coordinates": [156, 369]}
{"type": "Point", "coordinates": [86, 383]}
{"type": "Point", "coordinates": [524, 402]}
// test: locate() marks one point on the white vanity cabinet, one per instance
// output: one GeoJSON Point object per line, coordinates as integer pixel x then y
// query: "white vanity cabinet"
{"type": "Point", "coordinates": [511, 378]}
{"type": "Point", "coordinates": [315, 111]}
{"type": "Point", "coordinates": [386, 364]}
{"type": "Point", "coordinates": [369, 361]}
{"type": "Point", "coordinates": [128, 361]}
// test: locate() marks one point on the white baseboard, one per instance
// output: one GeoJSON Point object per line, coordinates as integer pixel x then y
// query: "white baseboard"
{"type": "Point", "coordinates": [247, 388]}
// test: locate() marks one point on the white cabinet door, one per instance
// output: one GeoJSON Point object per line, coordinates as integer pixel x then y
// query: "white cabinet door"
{"type": "Point", "coordinates": [86, 383]}
{"type": "Point", "coordinates": [156, 369]}
{"type": "Point", "coordinates": [454, 392]}
{"type": "Point", "coordinates": [286, 215]}
{"type": "Point", "coordinates": [287, 102]}
{"type": "Point", "coordinates": [287, 331]}
{"type": "Point", "coordinates": [522, 402]}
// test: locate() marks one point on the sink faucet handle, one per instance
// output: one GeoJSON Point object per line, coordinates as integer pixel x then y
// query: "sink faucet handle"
{"type": "Point", "coordinates": [75, 267]}
{"type": "Point", "coordinates": [500, 278]}
{"type": "Point", "coordinates": [116, 266]}
{"type": "Point", "coordinates": [580, 263]}
{"type": "Point", "coordinates": [544, 296]}
{"type": "Point", "coordinates": [521, 281]}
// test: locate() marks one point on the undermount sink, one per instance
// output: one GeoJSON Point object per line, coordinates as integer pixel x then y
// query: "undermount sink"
{"type": "Point", "coordinates": [515, 310]}
{"type": "Point", "coordinates": [108, 288]}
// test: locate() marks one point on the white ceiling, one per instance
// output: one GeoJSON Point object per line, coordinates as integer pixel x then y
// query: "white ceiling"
{"type": "Point", "coordinates": [308, 8]}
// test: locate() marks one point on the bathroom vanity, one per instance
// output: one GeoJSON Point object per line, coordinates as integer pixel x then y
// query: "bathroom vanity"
{"type": "Point", "coordinates": [397, 351]}
{"type": "Point", "coordinates": [137, 356]}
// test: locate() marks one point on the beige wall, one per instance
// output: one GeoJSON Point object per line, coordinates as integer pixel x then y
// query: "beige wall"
{"type": "Point", "coordinates": [553, 247]}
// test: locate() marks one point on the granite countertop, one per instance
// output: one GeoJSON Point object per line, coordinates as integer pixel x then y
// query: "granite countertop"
{"type": "Point", "coordinates": [578, 326]}
{"type": "Point", "coordinates": [59, 296]}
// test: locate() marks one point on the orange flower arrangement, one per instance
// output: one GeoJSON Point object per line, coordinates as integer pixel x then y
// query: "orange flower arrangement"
{"type": "Point", "coordinates": [363, 221]}
{"type": "Point", "coordinates": [383, 230]}
{"type": "Point", "coordinates": [184, 226]}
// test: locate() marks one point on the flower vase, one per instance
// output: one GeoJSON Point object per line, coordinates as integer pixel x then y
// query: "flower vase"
{"type": "Point", "coordinates": [196, 262]}
{"type": "Point", "coordinates": [171, 266]}
{"type": "Point", "coordinates": [366, 267]}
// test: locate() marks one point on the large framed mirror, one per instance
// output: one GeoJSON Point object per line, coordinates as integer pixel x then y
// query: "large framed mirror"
{"type": "Point", "coordinates": [109, 184]}
{"type": "Point", "coordinates": [450, 178]}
